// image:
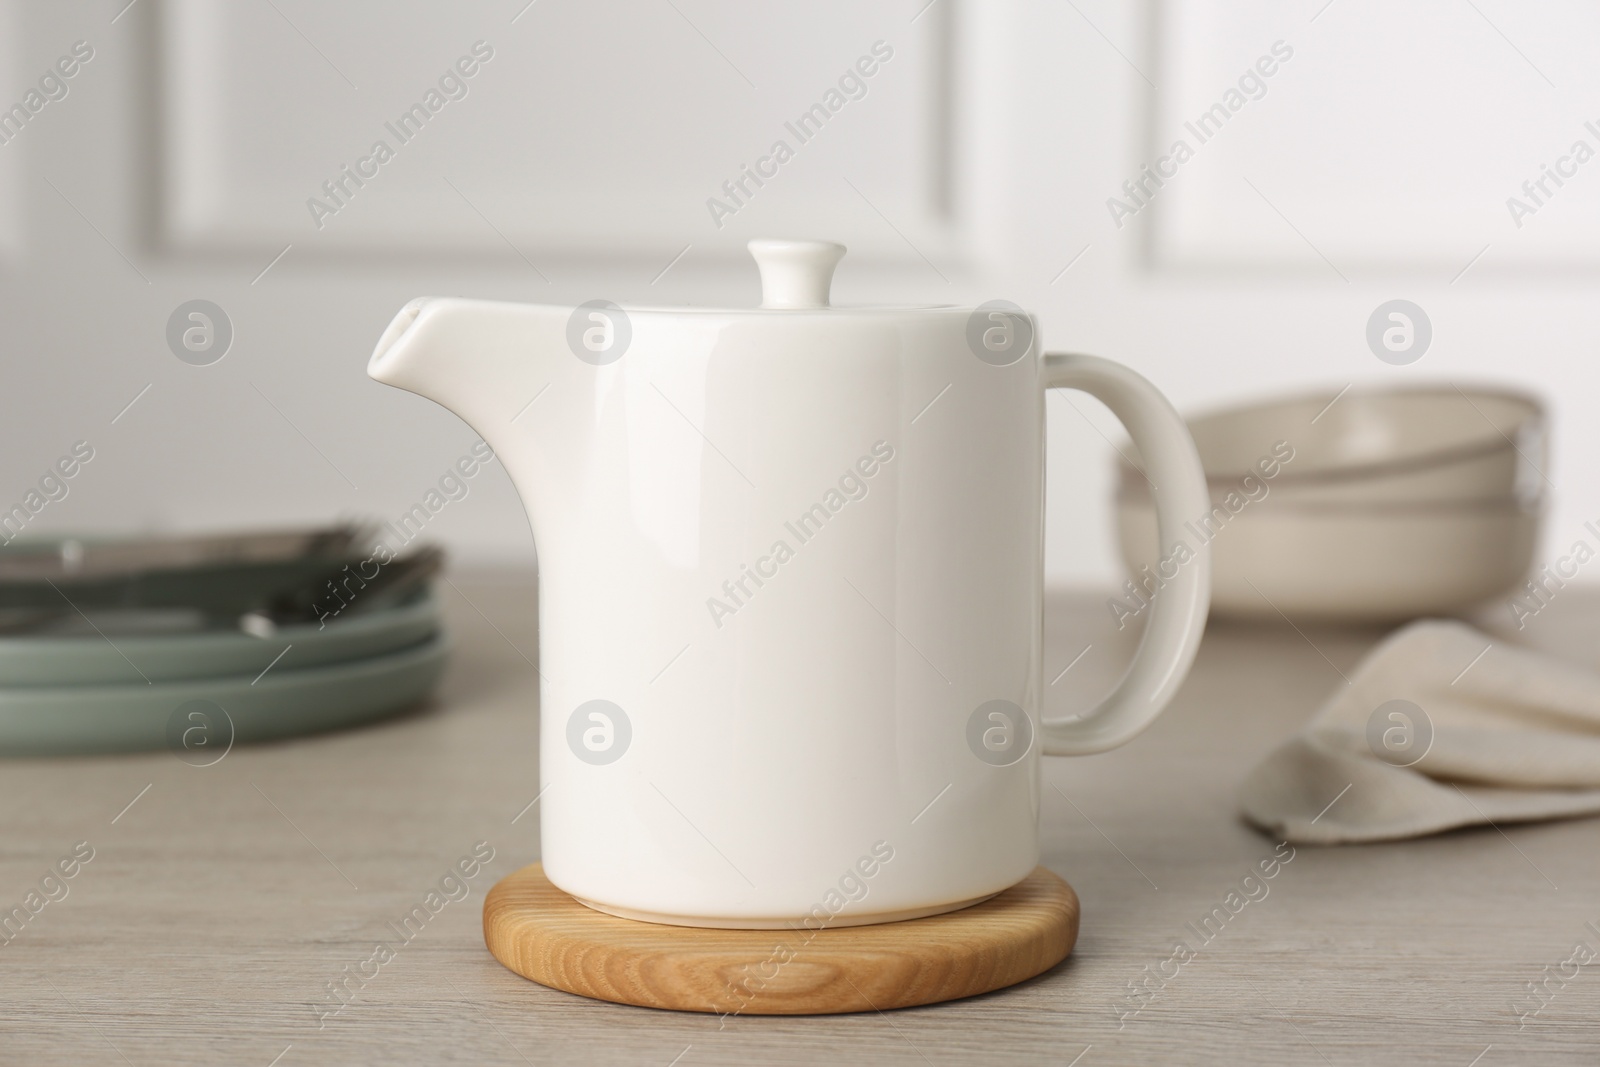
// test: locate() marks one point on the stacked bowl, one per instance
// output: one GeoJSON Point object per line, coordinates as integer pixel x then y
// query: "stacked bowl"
{"type": "Point", "coordinates": [1357, 506]}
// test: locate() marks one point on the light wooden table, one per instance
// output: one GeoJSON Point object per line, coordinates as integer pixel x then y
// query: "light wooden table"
{"type": "Point", "coordinates": [220, 904]}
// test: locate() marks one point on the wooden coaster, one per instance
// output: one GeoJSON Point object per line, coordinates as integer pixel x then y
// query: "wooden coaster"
{"type": "Point", "coordinates": [542, 933]}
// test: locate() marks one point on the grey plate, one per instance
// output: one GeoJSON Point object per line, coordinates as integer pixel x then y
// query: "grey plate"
{"type": "Point", "coordinates": [93, 660]}
{"type": "Point", "coordinates": [284, 703]}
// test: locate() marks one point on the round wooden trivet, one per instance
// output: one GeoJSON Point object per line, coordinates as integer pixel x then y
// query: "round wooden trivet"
{"type": "Point", "coordinates": [542, 933]}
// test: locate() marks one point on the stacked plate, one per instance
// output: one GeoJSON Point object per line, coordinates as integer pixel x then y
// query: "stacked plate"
{"type": "Point", "coordinates": [200, 644]}
{"type": "Point", "coordinates": [1357, 506]}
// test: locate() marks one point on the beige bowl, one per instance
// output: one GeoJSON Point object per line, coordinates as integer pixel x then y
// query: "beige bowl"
{"type": "Point", "coordinates": [1349, 564]}
{"type": "Point", "coordinates": [1370, 507]}
{"type": "Point", "coordinates": [1411, 445]}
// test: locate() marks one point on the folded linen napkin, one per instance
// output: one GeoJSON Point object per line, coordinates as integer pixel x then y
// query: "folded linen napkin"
{"type": "Point", "coordinates": [1440, 726]}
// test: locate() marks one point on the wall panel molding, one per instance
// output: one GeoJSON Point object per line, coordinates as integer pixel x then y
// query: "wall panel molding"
{"type": "Point", "coordinates": [588, 131]}
{"type": "Point", "coordinates": [1366, 149]}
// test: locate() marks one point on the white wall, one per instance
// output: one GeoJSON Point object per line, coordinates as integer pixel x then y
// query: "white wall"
{"type": "Point", "coordinates": [978, 165]}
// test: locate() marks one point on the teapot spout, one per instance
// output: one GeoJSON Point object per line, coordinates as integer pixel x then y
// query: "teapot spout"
{"type": "Point", "coordinates": [482, 359]}
{"type": "Point", "coordinates": [396, 359]}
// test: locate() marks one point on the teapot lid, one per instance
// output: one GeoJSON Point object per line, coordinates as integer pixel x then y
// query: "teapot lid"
{"type": "Point", "coordinates": [795, 274]}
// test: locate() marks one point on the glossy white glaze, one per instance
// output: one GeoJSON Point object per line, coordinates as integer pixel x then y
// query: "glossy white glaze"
{"type": "Point", "coordinates": [799, 549]}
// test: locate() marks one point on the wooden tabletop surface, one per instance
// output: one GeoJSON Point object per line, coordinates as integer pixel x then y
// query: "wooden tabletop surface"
{"type": "Point", "coordinates": [221, 902]}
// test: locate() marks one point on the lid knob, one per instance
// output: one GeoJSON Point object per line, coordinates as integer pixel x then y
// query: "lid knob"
{"type": "Point", "coordinates": [795, 274]}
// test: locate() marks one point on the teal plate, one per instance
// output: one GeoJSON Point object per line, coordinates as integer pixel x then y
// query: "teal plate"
{"type": "Point", "coordinates": [200, 720]}
{"type": "Point", "coordinates": [92, 660]}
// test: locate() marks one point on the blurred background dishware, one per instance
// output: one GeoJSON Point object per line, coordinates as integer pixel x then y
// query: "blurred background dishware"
{"type": "Point", "coordinates": [105, 644]}
{"type": "Point", "coordinates": [1359, 506]}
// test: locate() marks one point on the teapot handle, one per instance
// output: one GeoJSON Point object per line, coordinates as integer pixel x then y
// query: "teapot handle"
{"type": "Point", "coordinates": [1178, 612]}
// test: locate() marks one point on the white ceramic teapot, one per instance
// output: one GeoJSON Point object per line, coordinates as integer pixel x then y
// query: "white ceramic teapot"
{"type": "Point", "coordinates": [790, 596]}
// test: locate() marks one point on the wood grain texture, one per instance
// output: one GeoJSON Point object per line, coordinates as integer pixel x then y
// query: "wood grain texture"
{"type": "Point", "coordinates": [542, 933]}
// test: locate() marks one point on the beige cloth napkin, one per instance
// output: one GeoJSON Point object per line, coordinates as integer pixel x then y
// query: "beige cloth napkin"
{"type": "Point", "coordinates": [1515, 737]}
